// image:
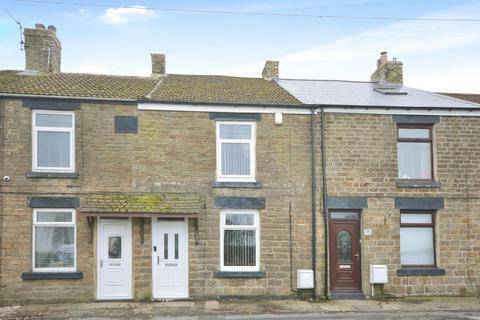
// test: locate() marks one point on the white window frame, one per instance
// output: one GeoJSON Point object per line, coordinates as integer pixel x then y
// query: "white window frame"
{"type": "Point", "coordinates": [36, 129]}
{"type": "Point", "coordinates": [251, 141]}
{"type": "Point", "coordinates": [55, 224]}
{"type": "Point", "coordinates": [256, 227]}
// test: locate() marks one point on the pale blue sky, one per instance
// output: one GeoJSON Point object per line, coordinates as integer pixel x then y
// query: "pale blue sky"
{"type": "Point", "coordinates": [437, 56]}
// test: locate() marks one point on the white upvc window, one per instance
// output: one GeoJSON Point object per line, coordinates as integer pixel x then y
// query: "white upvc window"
{"type": "Point", "coordinates": [236, 151]}
{"type": "Point", "coordinates": [239, 240]}
{"type": "Point", "coordinates": [53, 141]}
{"type": "Point", "coordinates": [54, 240]}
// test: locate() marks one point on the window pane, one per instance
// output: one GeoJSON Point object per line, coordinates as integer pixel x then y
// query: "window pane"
{"type": "Point", "coordinates": [54, 247]}
{"type": "Point", "coordinates": [235, 131]}
{"type": "Point", "coordinates": [414, 160]}
{"type": "Point", "coordinates": [344, 247]}
{"type": "Point", "coordinates": [239, 248]}
{"type": "Point", "coordinates": [53, 149]}
{"type": "Point", "coordinates": [54, 120]}
{"type": "Point", "coordinates": [54, 217]}
{"type": "Point", "coordinates": [416, 218]}
{"type": "Point", "coordinates": [115, 247]}
{"type": "Point", "coordinates": [176, 246]}
{"type": "Point", "coordinates": [344, 215]}
{"type": "Point", "coordinates": [236, 159]}
{"type": "Point", "coordinates": [236, 219]}
{"type": "Point", "coordinates": [416, 246]}
{"type": "Point", "coordinates": [414, 133]}
{"type": "Point", "coordinates": [165, 246]}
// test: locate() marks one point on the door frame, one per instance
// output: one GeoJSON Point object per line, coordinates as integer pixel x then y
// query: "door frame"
{"type": "Point", "coordinates": [155, 239]}
{"type": "Point", "coordinates": [98, 253]}
{"type": "Point", "coordinates": [359, 244]}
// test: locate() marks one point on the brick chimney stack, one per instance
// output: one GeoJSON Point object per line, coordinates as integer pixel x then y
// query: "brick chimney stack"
{"type": "Point", "coordinates": [270, 71]}
{"type": "Point", "coordinates": [390, 71]}
{"type": "Point", "coordinates": [158, 64]}
{"type": "Point", "coordinates": [43, 50]}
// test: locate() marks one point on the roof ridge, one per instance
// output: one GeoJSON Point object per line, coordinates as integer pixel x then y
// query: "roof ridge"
{"type": "Point", "coordinates": [326, 80]}
{"type": "Point", "coordinates": [214, 75]}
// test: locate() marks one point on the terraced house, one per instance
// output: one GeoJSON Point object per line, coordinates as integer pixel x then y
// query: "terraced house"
{"type": "Point", "coordinates": [186, 186]}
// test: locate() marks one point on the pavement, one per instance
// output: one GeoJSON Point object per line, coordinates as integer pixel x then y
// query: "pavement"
{"type": "Point", "coordinates": [437, 308]}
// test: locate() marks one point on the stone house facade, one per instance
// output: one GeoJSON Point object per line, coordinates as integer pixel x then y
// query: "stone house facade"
{"type": "Point", "coordinates": [182, 186]}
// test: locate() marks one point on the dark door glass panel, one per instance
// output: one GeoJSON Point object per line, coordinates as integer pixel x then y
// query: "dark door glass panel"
{"type": "Point", "coordinates": [114, 247]}
{"type": "Point", "coordinates": [165, 246]}
{"type": "Point", "coordinates": [344, 247]}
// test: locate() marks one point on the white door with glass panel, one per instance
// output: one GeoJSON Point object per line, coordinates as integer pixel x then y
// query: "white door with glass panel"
{"type": "Point", "coordinates": [170, 258]}
{"type": "Point", "coordinates": [114, 263]}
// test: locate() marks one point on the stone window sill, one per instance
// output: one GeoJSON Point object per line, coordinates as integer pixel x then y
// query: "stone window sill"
{"type": "Point", "coordinates": [411, 183]}
{"type": "Point", "coordinates": [60, 175]}
{"type": "Point", "coordinates": [406, 272]}
{"type": "Point", "coordinates": [52, 275]}
{"type": "Point", "coordinates": [226, 184]}
{"type": "Point", "coordinates": [240, 274]}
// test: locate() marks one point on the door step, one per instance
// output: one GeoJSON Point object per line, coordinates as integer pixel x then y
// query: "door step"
{"type": "Point", "coordinates": [347, 295]}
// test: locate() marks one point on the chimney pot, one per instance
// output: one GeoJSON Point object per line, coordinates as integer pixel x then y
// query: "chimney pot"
{"type": "Point", "coordinates": [52, 28]}
{"type": "Point", "coordinates": [158, 64]}
{"type": "Point", "coordinates": [271, 70]}
{"type": "Point", "coordinates": [39, 26]}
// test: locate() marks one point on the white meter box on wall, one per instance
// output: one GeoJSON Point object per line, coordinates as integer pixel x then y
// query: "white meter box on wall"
{"type": "Point", "coordinates": [378, 273]}
{"type": "Point", "coordinates": [304, 279]}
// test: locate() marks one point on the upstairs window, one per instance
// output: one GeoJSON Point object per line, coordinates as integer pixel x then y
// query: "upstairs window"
{"type": "Point", "coordinates": [53, 142]}
{"type": "Point", "coordinates": [414, 150]}
{"type": "Point", "coordinates": [54, 240]}
{"type": "Point", "coordinates": [235, 151]}
{"type": "Point", "coordinates": [417, 239]}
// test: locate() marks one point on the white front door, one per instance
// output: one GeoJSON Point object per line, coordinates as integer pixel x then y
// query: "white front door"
{"type": "Point", "coordinates": [114, 263]}
{"type": "Point", "coordinates": [170, 258]}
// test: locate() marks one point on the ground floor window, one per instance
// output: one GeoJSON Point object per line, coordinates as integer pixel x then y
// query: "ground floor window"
{"type": "Point", "coordinates": [417, 238]}
{"type": "Point", "coordinates": [240, 240]}
{"type": "Point", "coordinates": [54, 240]}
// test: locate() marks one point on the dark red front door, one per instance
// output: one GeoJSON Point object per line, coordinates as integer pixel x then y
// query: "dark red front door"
{"type": "Point", "coordinates": [345, 273]}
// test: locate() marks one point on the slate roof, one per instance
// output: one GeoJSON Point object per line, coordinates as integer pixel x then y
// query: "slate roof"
{"type": "Point", "coordinates": [170, 88]}
{"type": "Point", "coordinates": [368, 94]}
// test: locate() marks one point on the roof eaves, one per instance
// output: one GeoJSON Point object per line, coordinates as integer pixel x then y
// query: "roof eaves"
{"type": "Point", "coordinates": [79, 98]}
{"type": "Point", "coordinates": [278, 105]}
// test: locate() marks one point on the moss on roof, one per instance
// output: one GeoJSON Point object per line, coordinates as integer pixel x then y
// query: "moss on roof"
{"type": "Point", "coordinates": [171, 88]}
{"type": "Point", "coordinates": [222, 89]}
{"type": "Point", "coordinates": [76, 85]}
{"type": "Point", "coordinates": [464, 96]}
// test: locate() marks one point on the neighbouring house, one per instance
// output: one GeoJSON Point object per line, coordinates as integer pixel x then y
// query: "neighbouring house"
{"type": "Point", "coordinates": [191, 186]}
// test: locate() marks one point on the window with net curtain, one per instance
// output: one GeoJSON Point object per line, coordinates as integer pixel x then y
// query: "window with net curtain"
{"type": "Point", "coordinates": [414, 151]}
{"type": "Point", "coordinates": [417, 238]}
{"type": "Point", "coordinates": [53, 143]}
{"type": "Point", "coordinates": [240, 241]}
{"type": "Point", "coordinates": [54, 240]}
{"type": "Point", "coordinates": [235, 151]}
